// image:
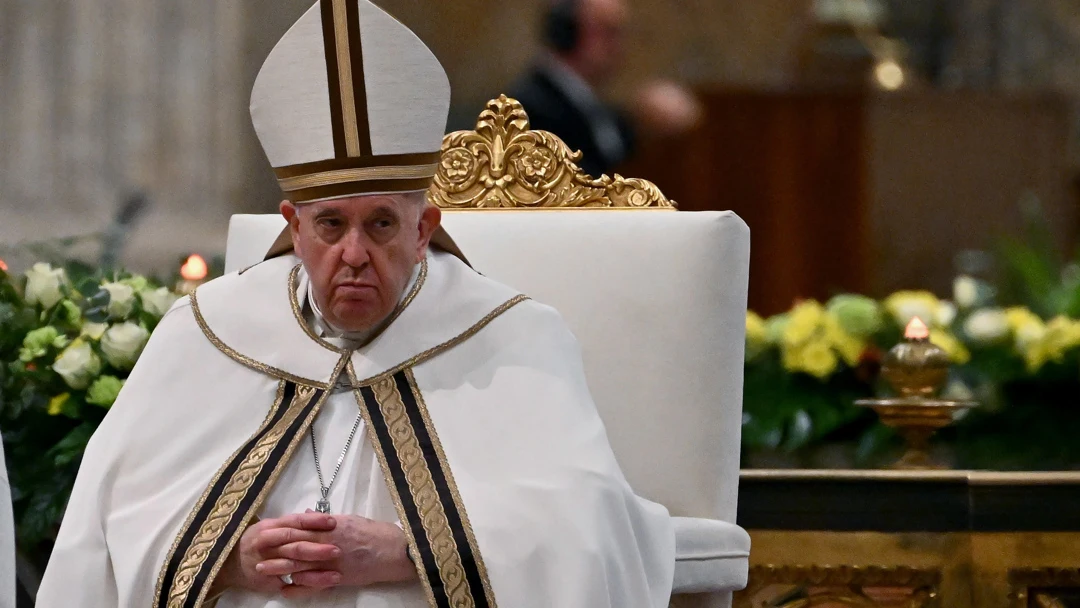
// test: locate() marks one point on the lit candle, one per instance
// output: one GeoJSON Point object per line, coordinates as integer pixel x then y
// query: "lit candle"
{"type": "Point", "coordinates": [192, 274]}
{"type": "Point", "coordinates": [916, 330]}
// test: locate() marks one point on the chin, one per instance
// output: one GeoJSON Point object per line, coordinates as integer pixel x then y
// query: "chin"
{"type": "Point", "coordinates": [358, 316]}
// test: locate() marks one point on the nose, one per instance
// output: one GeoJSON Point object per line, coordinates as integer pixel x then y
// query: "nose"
{"type": "Point", "coordinates": [354, 250]}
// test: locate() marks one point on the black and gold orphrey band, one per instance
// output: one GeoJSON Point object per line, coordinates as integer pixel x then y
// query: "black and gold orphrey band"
{"type": "Point", "coordinates": [448, 559]}
{"type": "Point", "coordinates": [220, 516]}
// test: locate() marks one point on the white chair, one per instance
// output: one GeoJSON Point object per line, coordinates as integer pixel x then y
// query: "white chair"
{"type": "Point", "coordinates": [657, 299]}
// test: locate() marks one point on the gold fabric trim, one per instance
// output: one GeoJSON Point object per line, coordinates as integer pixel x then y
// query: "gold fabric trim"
{"type": "Point", "coordinates": [298, 313]}
{"type": "Point", "coordinates": [228, 502]}
{"type": "Point", "coordinates": [264, 492]}
{"type": "Point", "coordinates": [394, 495]}
{"type": "Point", "coordinates": [344, 61]}
{"type": "Point", "coordinates": [451, 486]}
{"type": "Point", "coordinates": [422, 488]}
{"type": "Point", "coordinates": [202, 499]}
{"type": "Point", "coordinates": [244, 359]}
{"type": "Point", "coordinates": [361, 174]}
{"type": "Point", "coordinates": [451, 343]}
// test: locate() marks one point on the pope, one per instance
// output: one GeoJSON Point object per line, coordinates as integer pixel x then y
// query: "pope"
{"type": "Point", "coordinates": [360, 420]}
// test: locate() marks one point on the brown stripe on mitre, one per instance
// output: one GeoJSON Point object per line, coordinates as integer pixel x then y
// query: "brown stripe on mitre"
{"type": "Point", "coordinates": [337, 127]}
{"type": "Point", "coordinates": [308, 195]}
{"type": "Point", "coordinates": [357, 176]}
{"type": "Point", "coordinates": [386, 160]}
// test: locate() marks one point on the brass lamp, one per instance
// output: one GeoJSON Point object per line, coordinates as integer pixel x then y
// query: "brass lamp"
{"type": "Point", "coordinates": [916, 369]}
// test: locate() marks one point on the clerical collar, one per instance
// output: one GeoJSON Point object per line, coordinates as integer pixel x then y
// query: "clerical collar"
{"type": "Point", "coordinates": [352, 340]}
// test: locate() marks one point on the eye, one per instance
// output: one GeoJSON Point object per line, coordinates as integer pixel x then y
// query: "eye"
{"type": "Point", "coordinates": [329, 222]}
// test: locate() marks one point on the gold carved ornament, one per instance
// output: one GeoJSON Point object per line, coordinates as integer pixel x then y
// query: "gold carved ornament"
{"type": "Point", "coordinates": [505, 165]}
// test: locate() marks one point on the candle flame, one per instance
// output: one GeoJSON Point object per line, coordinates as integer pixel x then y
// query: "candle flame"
{"type": "Point", "coordinates": [916, 330]}
{"type": "Point", "coordinates": [194, 269]}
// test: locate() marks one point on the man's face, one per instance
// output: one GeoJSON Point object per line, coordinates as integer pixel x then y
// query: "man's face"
{"type": "Point", "coordinates": [360, 252]}
{"type": "Point", "coordinates": [603, 25]}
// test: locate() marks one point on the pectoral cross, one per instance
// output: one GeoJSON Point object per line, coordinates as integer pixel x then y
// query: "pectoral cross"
{"type": "Point", "coordinates": [323, 504]}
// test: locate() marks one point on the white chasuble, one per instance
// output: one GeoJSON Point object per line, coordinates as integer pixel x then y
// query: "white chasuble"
{"type": "Point", "coordinates": [478, 435]}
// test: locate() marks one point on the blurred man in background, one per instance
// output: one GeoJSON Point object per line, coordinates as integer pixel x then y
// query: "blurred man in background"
{"type": "Point", "coordinates": [584, 43]}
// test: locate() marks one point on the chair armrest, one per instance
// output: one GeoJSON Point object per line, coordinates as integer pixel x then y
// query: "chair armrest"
{"type": "Point", "coordinates": [710, 555]}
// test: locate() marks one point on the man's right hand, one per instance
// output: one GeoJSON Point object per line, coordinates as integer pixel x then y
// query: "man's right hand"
{"type": "Point", "coordinates": [294, 545]}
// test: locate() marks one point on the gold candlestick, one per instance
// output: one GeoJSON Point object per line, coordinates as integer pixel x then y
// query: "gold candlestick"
{"type": "Point", "coordinates": [916, 369]}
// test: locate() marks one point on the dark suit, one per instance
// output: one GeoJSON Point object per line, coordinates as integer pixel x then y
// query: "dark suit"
{"type": "Point", "coordinates": [552, 107]}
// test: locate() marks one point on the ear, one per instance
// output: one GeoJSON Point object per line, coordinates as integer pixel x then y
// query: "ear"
{"type": "Point", "coordinates": [291, 213]}
{"type": "Point", "coordinates": [430, 219]}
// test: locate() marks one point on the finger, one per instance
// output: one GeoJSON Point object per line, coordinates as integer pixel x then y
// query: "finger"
{"type": "Point", "coordinates": [307, 551]}
{"type": "Point", "coordinates": [317, 579]}
{"type": "Point", "coordinates": [283, 566]}
{"type": "Point", "coordinates": [316, 522]}
{"type": "Point", "coordinates": [276, 537]}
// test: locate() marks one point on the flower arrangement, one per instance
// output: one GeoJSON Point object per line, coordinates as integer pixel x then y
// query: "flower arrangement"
{"type": "Point", "coordinates": [68, 340]}
{"type": "Point", "coordinates": [805, 367]}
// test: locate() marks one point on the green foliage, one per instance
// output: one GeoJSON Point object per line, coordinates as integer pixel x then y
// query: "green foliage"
{"type": "Point", "coordinates": [47, 422]}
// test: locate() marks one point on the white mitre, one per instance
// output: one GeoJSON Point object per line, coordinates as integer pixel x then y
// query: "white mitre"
{"type": "Point", "coordinates": [350, 102]}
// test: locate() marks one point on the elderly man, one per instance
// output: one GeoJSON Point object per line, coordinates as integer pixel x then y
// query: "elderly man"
{"type": "Point", "coordinates": [361, 419]}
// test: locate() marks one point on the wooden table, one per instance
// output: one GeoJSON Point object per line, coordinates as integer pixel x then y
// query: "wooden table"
{"type": "Point", "coordinates": [894, 538]}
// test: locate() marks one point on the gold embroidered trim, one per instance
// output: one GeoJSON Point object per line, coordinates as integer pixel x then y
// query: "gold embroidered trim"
{"type": "Point", "coordinates": [226, 504]}
{"type": "Point", "coordinates": [294, 300]}
{"type": "Point", "coordinates": [452, 487]}
{"type": "Point", "coordinates": [361, 174]}
{"type": "Point", "coordinates": [451, 343]}
{"type": "Point", "coordinates": [202, 499]}
{"type": "Point", "coordinates": [431, 511]}
{"type": "Point", "coordinates": [264, 492]}
{"type": "Point", "coordinates": [244, 359]}
{"type": "Point", "coordinates": [344, 61]}
{"type": "Point", "coordinates": [394, 495]}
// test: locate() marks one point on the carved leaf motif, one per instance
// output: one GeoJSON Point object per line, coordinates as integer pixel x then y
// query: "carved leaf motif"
{"type": "Point", "coordinates": [504, 164]}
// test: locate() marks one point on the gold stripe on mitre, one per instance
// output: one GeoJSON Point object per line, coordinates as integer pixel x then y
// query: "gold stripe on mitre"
{"type": "Point", "coordinates": [361, 174]}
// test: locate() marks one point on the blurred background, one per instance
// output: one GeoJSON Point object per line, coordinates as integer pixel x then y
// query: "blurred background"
{"type": "Point", "coordinates": [871, 145]}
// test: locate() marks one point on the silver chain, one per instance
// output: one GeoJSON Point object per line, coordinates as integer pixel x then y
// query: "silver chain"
{"type": "Point", "coordinates": [323, 504]}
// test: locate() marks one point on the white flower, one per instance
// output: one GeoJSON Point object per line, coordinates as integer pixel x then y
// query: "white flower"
{"type": "Point", "coordinates": [43, 283]}
{"type": "Point", "coordinates": [92, 330]}
{"type": "Point", "coordinates": [123, 343]}
{"type": "Point", "coordinates": [965, 291]}
{"type": "Point", "coordinates": [157, 301]}
{"type": "Point", "coordinates": [945, 314]}
{"type": "Point", "coordinates": [78, 365]}
{"type": "Point", "coordinates": [121, 299]}
{"type": "Point", "coordinates": [987, 325]}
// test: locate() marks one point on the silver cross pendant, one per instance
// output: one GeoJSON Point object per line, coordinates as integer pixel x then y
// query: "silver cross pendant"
{"type": "Point", "coordinates": [323, 504]}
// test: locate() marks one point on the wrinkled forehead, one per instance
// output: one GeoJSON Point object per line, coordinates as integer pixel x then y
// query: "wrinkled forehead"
{"type": "Point", "coordinates": [364, 204]}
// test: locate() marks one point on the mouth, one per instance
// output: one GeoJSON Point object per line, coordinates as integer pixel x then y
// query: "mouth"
{"type": "Point", "coordinates": [355, 290]}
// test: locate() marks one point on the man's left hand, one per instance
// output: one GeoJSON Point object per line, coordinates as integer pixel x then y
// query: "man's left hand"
{"type": "Point", "coordinates": [371, 552]}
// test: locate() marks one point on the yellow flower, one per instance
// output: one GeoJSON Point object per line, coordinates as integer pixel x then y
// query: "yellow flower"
{"type": "Point", "coordinates": [816, 359]}
{"type": "Point", "coordinates": [1062, 334]}
{"type": "Point", "coordinates": [756, 337]}
{"type": "Point", "coordinates": [804, 321]}
{"type": "Point", "coordinates": [905, 305]}
{"type": "Point", "coordinates": [56, 404]}
{"type": "Point", "coordinates": [1026, 327]}
{"type": "Point", "coordinates": [952, 347]}
{"type": "Point", "coordinates": [849, 347]}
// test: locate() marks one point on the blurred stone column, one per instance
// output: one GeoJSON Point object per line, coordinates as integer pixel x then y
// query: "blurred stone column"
{"type": "Point", "coordinates": [107, 98]}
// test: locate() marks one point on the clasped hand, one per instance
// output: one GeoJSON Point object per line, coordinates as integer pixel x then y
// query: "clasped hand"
{"type": "Point", "coordinates": [318, 551]}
